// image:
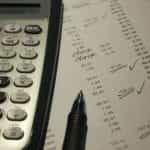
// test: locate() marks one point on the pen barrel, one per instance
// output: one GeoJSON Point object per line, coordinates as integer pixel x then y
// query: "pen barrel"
{"type": "Point", "coordinates": [75, 138]}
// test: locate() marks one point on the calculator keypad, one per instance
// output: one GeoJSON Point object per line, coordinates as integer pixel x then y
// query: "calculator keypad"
{"type": "Point", "coordinates": [13, 133]}
{"type": "Point", "coordinates": [23, 81]}
{"type": "Point", "coordinates": [5, 66]}
{"type": "Point", "coordinates": [33, 29]}
{"type": "Point", "coordinates": [12, 28]}
{"type": "Point", "coordinates": [7, 53]}
{"type": "Point", "coordinates": [4, 81]}
{"type": "Point", "coordinates": [28, 54]}
{"type": "Point", "coordinates": [3, 96]}
{"type": "Point", "coordinates": [1, 113]}
{"type": "Point", "coordinates": [10, 41]}
{"type": "Point", "coordinates": [22, 55]}
{"type": "Point", "coordinates": [20, 97]}
{"type": "Point", "coordinates": [30, 42]}
{"type": "Point", "coordinates": [25, 67]}
{"type": "Point", "coordinates": [16, 114]}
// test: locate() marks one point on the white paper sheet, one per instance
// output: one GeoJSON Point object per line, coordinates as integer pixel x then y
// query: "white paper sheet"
{"type": "Point", "coordinates": [105, 52]}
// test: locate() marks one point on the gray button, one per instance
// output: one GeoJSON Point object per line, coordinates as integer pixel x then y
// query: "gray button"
{"type": "Point", "coordinates": [5, 66]}
{"type": "Point", "coordinates": [12, 28]}
{"type": "Point", "coordinates": [1, 28]}
{"type": "Point", "coordinates": [26, 67]}
{"type": "Point", "coordinates": [20, 97]}
{"type": "Point", "coordinates": [16, 114]}
{"type": "Point", "coordinates": [33, 29]}
{"type": "Point", "coordinates": [7, 53]}
{"type": "Point", "coordinates": [31, 42]}
{"type": "Point", "coordinates": [13, 133]}
{"type": "Point", "coordinates": [28, 54]}
{"type": "Point", "coordinates": [23, 81]}
{"type": "Point", "coordinates": [1, 113]}
{"type": "Point", "coordinates": [4, 81]}
{"type": "Point", "coordinates": [3, 96]}
{"type": "Point", "coordinates": [10, 41]}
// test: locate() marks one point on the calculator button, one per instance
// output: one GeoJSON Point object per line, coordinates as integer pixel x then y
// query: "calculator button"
{"type": "Point", "coordinates": [4, 81]}
{"type": "Point", "coordinates": [1, 28]}
{"type": "Point", "coordinates": [13, 133]}
{"type": "Point", "coordinates": [5, 66]}
{"type": "Point", "coordinates": [7, 53]}
{"type": "Point", "coordinates": [1, 113]}
{"type": "Point", "coordinates": [12, 28]}
{"type": "Point", "coordinates": [16, 114]}
{"type": "Point", "coordinates": [26, 68]}
{"type": "Point", "coordinates": [20, 97]}
{"type": "Point", "coordinates": [23, 81]}
{"type": "Point", "coordinates": [31, 42]}
{"type": "Point", "coordinates": [28, 54]}
{"type": "Point", "coordinates": [33, 29]}
{"type": "Point", "coordinates": [10, 41]}
{"type": "Point", "coordinates": [3, 97]}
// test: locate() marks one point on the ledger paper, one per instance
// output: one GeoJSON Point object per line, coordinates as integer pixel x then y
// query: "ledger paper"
{"type": "Point", "coordinates": [105, 52]}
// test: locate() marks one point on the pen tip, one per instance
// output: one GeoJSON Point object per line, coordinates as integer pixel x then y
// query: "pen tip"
{"type": "Point", "coordinates": [80, 97]}
{"type": "Point", "coordinates": [80, 94]}
{"type": "Point", "coordinates": [79, 103]}
{"type": "Point", "coordinates": [81, 91]}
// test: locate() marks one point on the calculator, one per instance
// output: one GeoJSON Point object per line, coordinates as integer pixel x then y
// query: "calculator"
{"type": "Point", "coordinates": [29, 48]}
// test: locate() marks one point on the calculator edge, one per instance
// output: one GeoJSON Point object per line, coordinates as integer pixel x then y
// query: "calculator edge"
{"type": "Point", "coordinates": [49, 74]}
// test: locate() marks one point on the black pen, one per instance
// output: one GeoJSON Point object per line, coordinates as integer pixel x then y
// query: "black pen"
{"type": "Point", "coordinates": [75, 137]}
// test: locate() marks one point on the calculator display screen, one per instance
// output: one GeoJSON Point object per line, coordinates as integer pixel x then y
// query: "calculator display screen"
{"type": "Point", "coordinates": [20, 1]}
{"type": "Point", "coordinates": [25, 7]}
